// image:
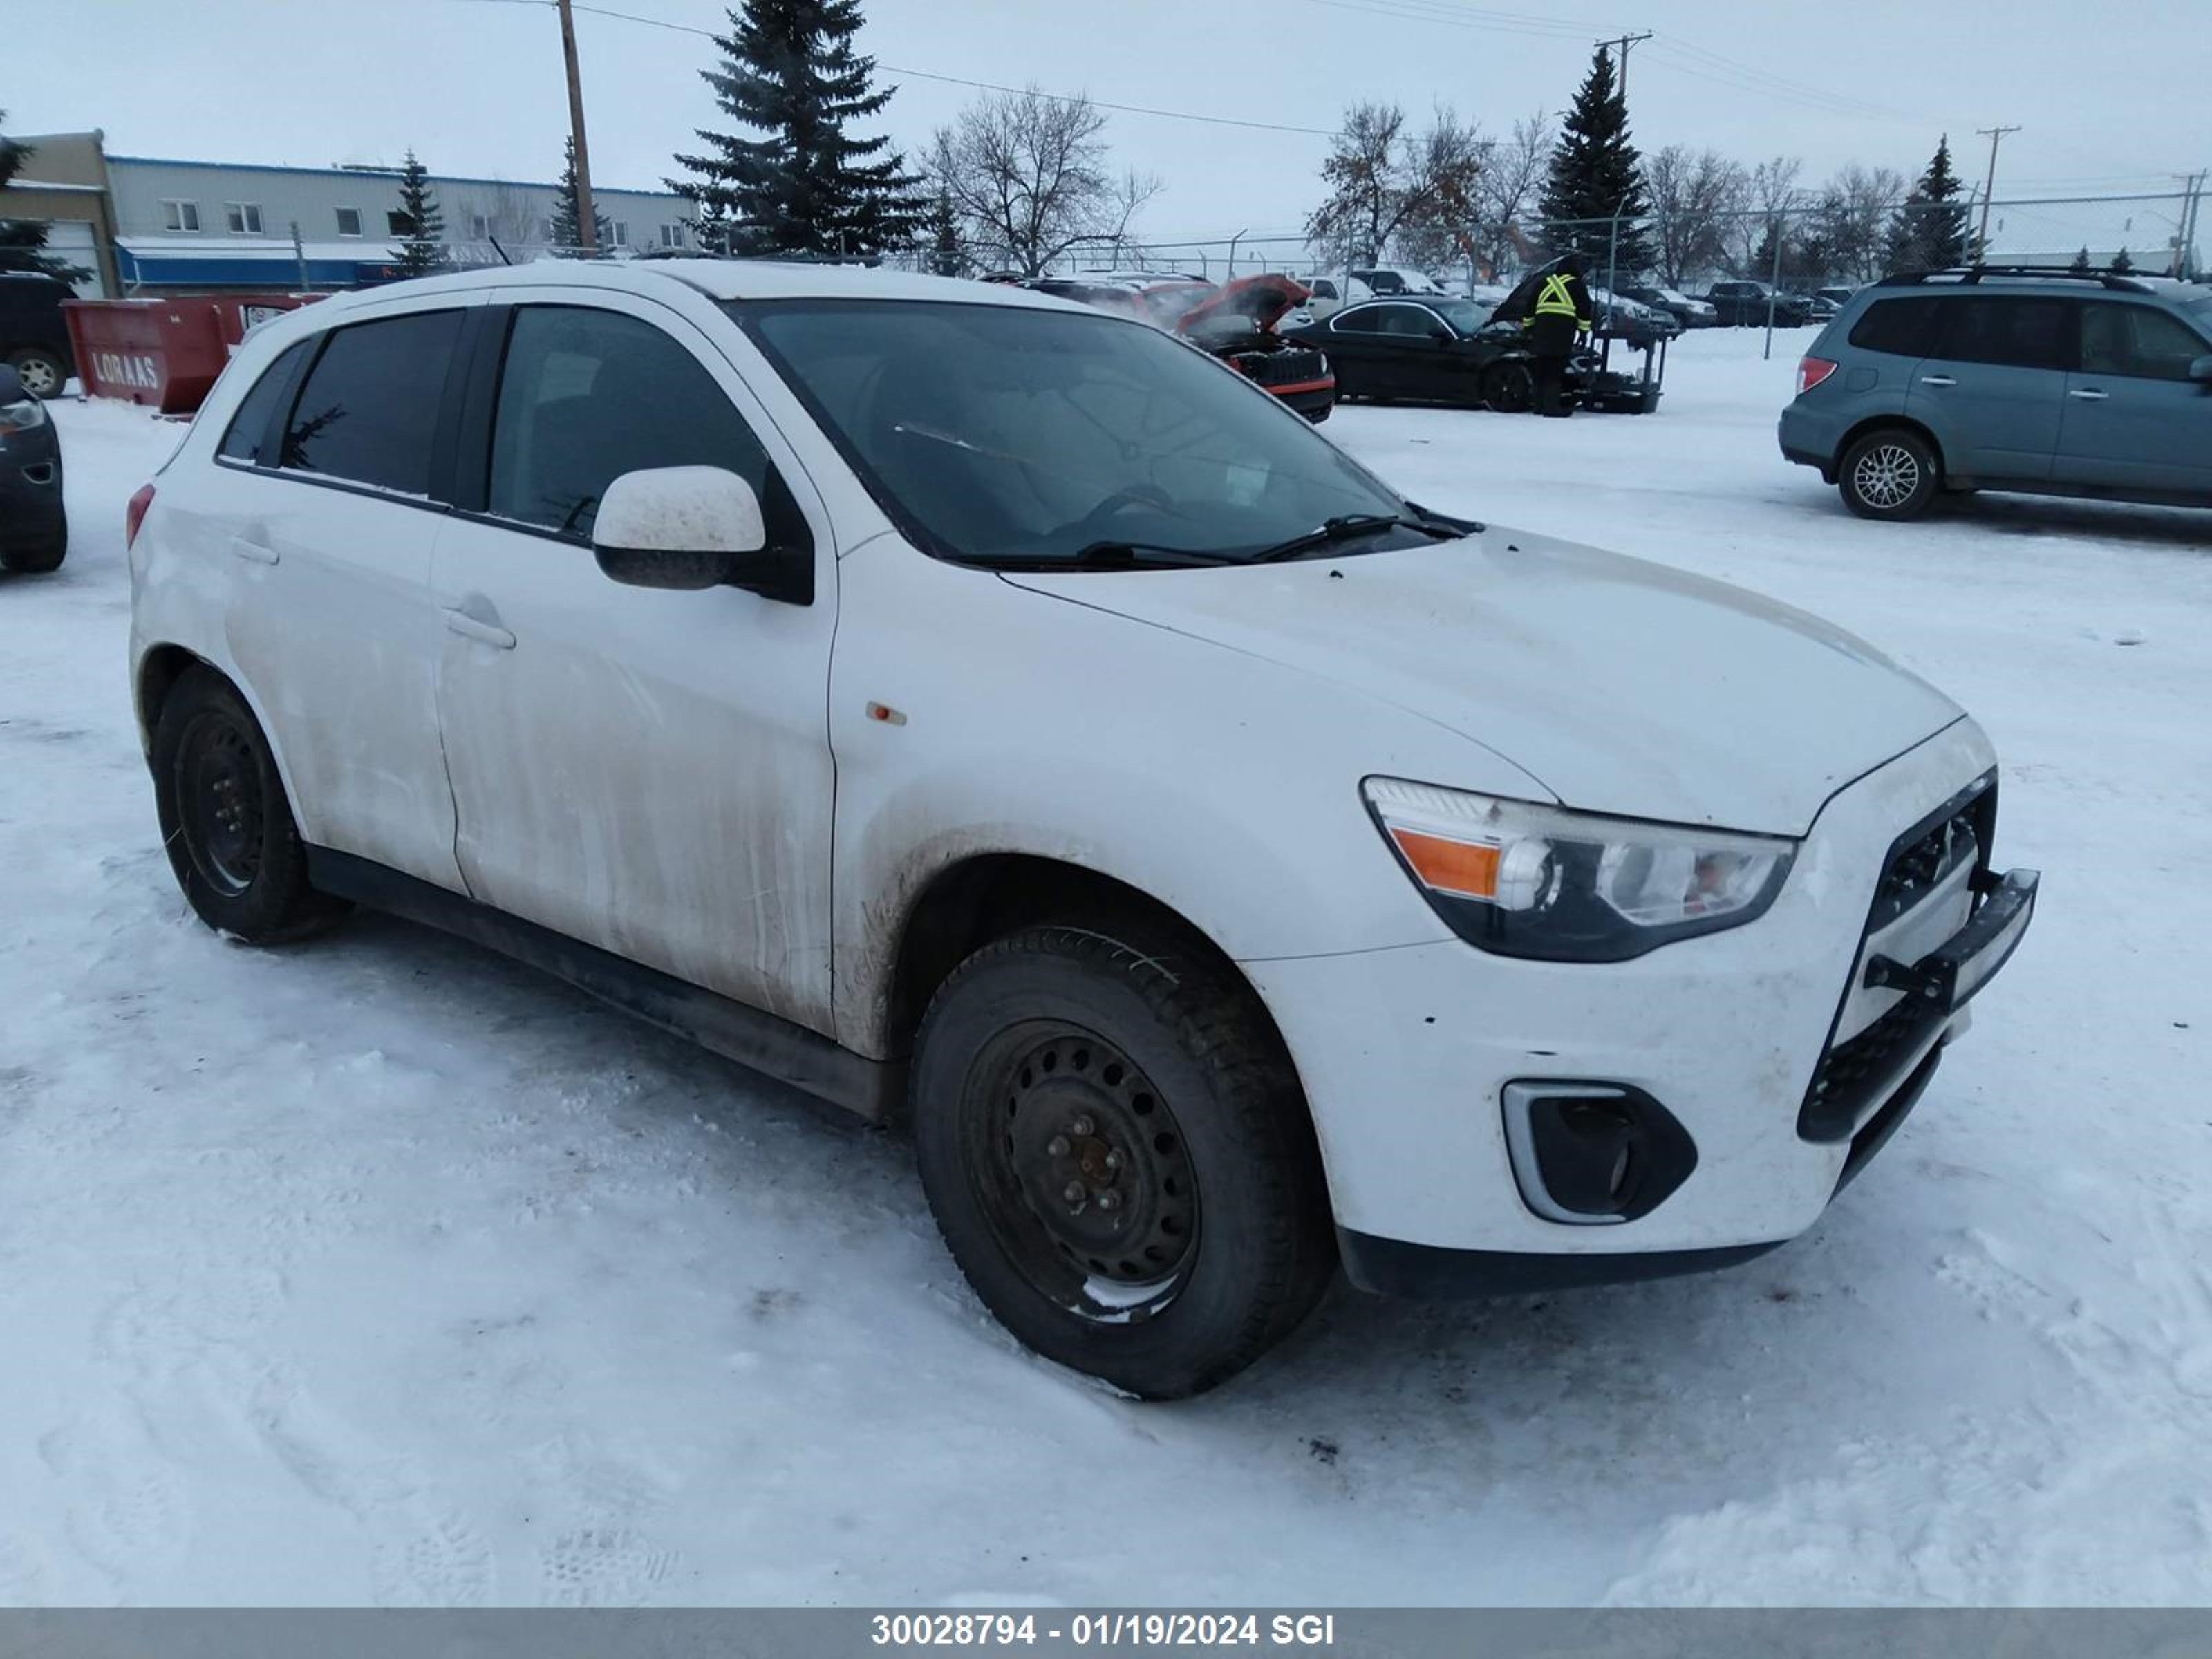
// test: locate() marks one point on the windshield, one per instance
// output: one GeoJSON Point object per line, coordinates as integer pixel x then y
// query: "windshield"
{"type": "Point", "coordinates": [1007, 436]}
{"type": "Point", "coordinates": [1464, 315]}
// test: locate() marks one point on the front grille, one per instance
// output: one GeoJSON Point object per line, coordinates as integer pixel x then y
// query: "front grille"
{"type": "Point", "coordinates": [1920, 864]}
{"type": "Point", "coordinates": [1853, 1072]}
{"type": "Point", "coordinates": [1287, 367]}
{"type": "Point", "coordinates": [1851, 1075]}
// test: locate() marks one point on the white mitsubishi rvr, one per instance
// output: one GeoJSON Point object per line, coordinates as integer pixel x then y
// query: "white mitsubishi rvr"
{"type": "Point", "coordinates": [982, 711]}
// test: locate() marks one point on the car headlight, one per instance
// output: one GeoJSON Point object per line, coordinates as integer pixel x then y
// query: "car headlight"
{"type": "Point", "coordinates": [21, 418]}
{"type": "Point", "coordinates": [1526, 880]}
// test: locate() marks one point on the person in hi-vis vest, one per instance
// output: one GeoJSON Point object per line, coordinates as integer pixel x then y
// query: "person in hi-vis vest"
{"type": "Point", "coordinates": [1560, 311]}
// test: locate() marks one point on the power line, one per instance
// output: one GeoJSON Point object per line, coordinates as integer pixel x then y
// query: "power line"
{"type": "Point", "coordinates": [979, 85]}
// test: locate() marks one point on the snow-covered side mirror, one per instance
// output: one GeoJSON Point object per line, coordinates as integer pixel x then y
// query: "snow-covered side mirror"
{"type": "Point", "coordinates": [693, 527]}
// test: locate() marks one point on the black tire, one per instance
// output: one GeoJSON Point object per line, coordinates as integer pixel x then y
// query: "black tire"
{"type": "Point", "coordinates": [225, 822]}
{"type": "Point", "coordinates": [37, 558]}
{"type": "Point", "coordinates": [1509, 389]}
{"type": "Point", "coordinates": [1061, 1059]}
{"type": "Point", "coordinates": [43, 371]}
{"type": "Point", "coordinates": [1891, 473]}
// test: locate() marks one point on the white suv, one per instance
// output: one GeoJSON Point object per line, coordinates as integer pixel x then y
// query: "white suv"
{"type": "Point", "coordinates": [967, 704]}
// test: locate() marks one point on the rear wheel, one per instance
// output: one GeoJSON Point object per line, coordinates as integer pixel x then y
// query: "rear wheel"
{"type": "Point", "coordinates": [1509, 389]}
{"type": "Point", "coordinates": [41, 370]}
{"type": "Point", "coordinates": [1890, 473]}
{"type": "Point", "coordinates": [1118, 1156]}
{"type": "Point", "coordinates": [225, 822]}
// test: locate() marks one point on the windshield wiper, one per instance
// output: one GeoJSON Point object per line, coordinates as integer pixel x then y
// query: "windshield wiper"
{"type": "Point", "coordinates": [1119, 555]}
{"type": "Point", "coordinates": [1349, 526]}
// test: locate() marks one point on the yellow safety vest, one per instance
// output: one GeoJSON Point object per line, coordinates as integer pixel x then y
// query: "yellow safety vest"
{"type": "Point", "coordinates": [1555, 299]}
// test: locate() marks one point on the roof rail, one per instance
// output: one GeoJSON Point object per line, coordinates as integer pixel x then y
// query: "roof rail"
{"type": "Point", "coordinates": [2120, 280]}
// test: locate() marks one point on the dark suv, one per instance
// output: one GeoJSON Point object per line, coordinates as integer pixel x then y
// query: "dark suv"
{"type": "Point", "coordinates": [33, 340]}
{"type": "Point", "coordinates": [1746, 305]}
{"type": "Point", "coordinates": [2043, 381]}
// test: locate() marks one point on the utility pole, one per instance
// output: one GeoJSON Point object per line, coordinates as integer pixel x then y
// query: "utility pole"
{"type": "Point", "coordinates": [2184, 236]}
{"type": "Point", "coordinates": [1980, 249]}
{"type": "Point", "coordinates": [588, 224]}
{"type": "Point", "coordinates": [1625, 42]}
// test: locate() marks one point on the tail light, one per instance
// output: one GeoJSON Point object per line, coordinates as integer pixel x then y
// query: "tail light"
{"type": "Point", "coordinates": [135, 514]}
{"type": "Point", "coordinates": [1811, 371]}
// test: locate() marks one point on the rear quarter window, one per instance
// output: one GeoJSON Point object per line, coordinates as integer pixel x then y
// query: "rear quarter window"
{"type": "Point", "coordinates": [244, 440]}
{"type": "Point", "coordinates": [1903, 328]}
{"type": "Point", "coordinates": [370, 409]}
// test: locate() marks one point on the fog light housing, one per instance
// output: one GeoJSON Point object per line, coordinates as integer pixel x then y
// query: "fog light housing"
{"type": "Point", "coordinates": [1591, 1154]}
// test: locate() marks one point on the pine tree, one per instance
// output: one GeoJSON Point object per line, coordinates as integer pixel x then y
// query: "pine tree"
{"type": "Point", "coordinates": [23, 241]}
{"type": "Point", "coordinates": [946, 257]}
{"type": "Point", "coordinates": [422, 248]}
{"type": "Point", "coordinates": [1596, 174]}
{"type": "Point", "coordinates": [567, 220]}
{"type": "Point", "coordinates": [2081, 267]}
{"type": "Point", "coordinates": [2123, 262]}
{"type": "Point", "coordinates": [1929, 231]}
{"type": "Point", "coordinates": [789, 71]}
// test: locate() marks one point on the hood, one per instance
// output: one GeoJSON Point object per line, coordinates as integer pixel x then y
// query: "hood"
{"type": "Point", "coordinates": [1262, 300]}
{"type": "Point", "coordinates": [1623, 687]}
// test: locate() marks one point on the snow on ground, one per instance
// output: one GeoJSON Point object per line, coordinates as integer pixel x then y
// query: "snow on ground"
{"type": "Point", "coordinates": [380, 1270]}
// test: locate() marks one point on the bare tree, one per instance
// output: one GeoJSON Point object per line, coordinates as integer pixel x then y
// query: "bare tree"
{"type": "Point", "coordinates": [1027, 175]}
{"type": "Point", "coordinates": [1512, 177]}
{"type": "Point", "coordinates": [1692, 196]}
{"type": "Point", "coordinates": [1862, 198]}
{"type": "Point", "coordinates": [1385, 182]}
{"type": "Point", "coordinates": [1771, 192]}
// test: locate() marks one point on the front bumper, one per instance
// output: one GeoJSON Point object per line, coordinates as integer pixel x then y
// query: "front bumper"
{"type": "Point", "coordinates": [30, 495]}
{"type": "Point", "coordinates": [1406, 1054]}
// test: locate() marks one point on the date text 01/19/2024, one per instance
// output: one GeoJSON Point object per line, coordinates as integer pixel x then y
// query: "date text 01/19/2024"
{"type": "Point", "coordinates": [1106, 1629]}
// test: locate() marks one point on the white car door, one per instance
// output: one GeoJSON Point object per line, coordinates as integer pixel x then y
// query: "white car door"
{"type": "Point", "coordinates": [328, 523]}
{"type": "Point", "coordinates": [647, 771]}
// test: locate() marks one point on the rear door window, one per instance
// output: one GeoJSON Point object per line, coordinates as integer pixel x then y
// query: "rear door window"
{"type": "Point", "coordinates": [370, 409]}
{"type": "Point", "coordinates": [1903, 328]}
{"type": "Point", "coordinates": [2138, 341]}
{"type": "Point", "coordinates": [587, 395]}
{"type": "Point", "coordinates": [2017, 331]}
{"type": "Point", "coordinates": [249, 428]}
{"type": "Point", "coordinates": [1367, 319]}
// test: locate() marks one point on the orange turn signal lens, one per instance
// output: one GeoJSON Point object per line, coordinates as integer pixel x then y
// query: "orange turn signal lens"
{"type": "Point", "coordinates": [1465, 867]}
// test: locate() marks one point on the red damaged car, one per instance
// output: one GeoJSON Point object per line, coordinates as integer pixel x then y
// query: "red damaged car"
{"type": "Point", "coordinates": [1235, 321]}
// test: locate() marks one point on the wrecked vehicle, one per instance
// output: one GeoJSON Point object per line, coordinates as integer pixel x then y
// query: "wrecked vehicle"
{"type": "Point", "coordinates": [1238, 322]}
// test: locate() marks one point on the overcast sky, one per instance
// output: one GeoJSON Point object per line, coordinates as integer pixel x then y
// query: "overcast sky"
{"type": "Point", "coordinates": [2109, 99]}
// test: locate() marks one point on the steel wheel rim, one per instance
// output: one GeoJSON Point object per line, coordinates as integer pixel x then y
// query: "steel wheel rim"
{"type": "Point", "coordinates": [1886, 475]}
{"type": "Point", "coordinates": [39, 378]}
{"type": "Point", "coordinates": [219, 804]}
{"type": "Point", "coordinates": [1085, 1173]}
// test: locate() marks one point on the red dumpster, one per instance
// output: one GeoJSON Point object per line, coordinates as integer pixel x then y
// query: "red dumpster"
{"type": "Point", "coordinates": [163, 353]}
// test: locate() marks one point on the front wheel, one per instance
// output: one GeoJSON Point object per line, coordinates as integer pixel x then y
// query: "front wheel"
{"type": "Point", "coordinates": [1509, 389]}
{"type": "Point", "coordinates": [1889, 474]}
{"type": "Point", "coordinates": [1117, 1154]}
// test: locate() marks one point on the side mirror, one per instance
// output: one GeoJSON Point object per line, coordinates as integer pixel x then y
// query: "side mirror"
{"type": "Point", "coordinates": [2200, 370]}
{"type": "Point", "coordinates": [694, 527]}
{"type": "Point", "coordinates": [12, 389]}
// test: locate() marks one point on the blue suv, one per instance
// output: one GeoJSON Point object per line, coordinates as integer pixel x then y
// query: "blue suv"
{"type": "Point", "coordinates": [2009, 378]}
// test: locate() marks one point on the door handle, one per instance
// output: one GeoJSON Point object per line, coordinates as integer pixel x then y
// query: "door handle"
{"type": "Point", "coordinates": [252, 551]}
{"type": "Point", "coordinates": [484, 633]}
{"type": "Point", "coordinates": [1937, 380]}
{"type": "Point", "coordinates": [2089, 394]}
